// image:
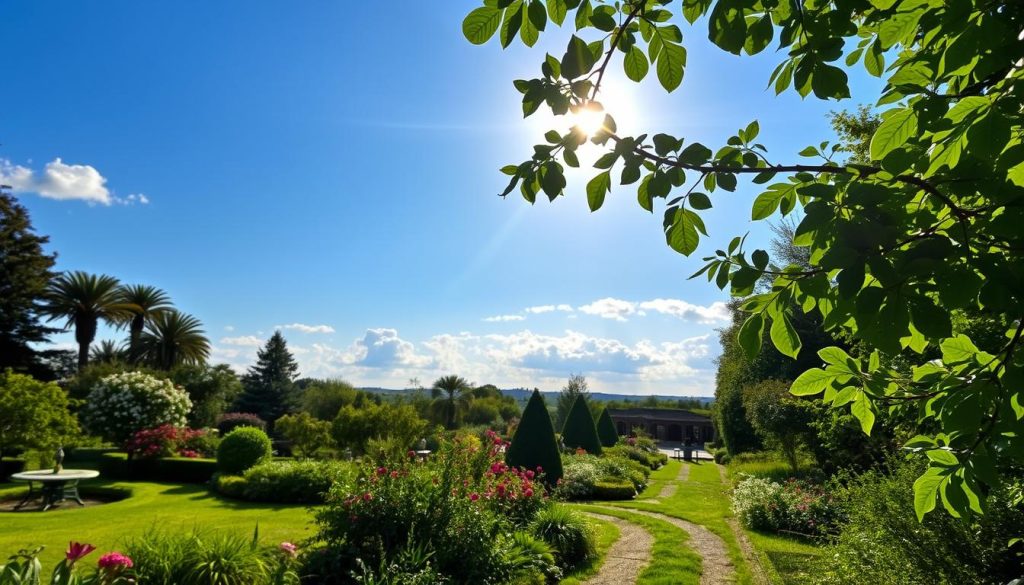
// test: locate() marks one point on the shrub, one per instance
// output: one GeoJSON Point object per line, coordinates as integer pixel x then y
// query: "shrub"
{"type": "Point", "coordinates": [232, 486]}
{"type": "Point", "coordinates": [232, 420]}
{"type": "Point", "coordinates": [568, 534]}
{"type": "Point", "coordinates": [354, 427]}
{"type": "Point", "coordinates": [642, 456]}
{"type": "Point", "coordinates": [201, 557]}
{"type": "Point", "coordinates": [579, 431]}
{"type": "Point", "coordinates": [882, 540]}
{"type": "Point", "coordinates": [455, 505]}
{"type": "Point", "coordinates": [793, 506]}
{"type": "Point", "coordinates": [300, 482]}
{"type": "Point", "coordinates": [121, 404]}
{"type": "Point", "coordinates": [168, 441]}
{"type": "Point", "coordinates": [581, 473]}
{"type": "Point", "coordinates": [606, 430]}
{"type": "Point", "coordinates": [174, 469]}
{"type": "Point", "coordinates": [241, 449]}
{"type": "Point", "coordinates": [622, 469]}
{"type": "Point", "coordinates": [33, 414]}
{"type": "Point", "coordinates": [307, 434]}
{"type": "Point", "coordinates": [533, 445]}
{"type": "Point", "coordinates": [613, 490]}
{"type": "Point", "coordinates": [529, 560]}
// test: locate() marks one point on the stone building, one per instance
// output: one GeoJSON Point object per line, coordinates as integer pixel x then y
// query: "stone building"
{"type": "Point", "coordinates": [664, 424]}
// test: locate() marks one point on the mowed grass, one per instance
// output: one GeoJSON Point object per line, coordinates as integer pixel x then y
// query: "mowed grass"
{"type": "Point", "coordinates": [659, 477]}
{"type": "Point", "coordinates": [150, 505]}
{"type": "Point", "coordinates": [673, 562]}
{"type": "Point", "coordinates": [605, 534]}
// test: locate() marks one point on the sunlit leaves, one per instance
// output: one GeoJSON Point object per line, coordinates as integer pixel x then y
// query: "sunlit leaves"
{"type": "Point", "coordinates": [671, 62]}
{"type": "Point", "coordinates": [578, 59]}
{"type": "Point", "coordinates": [481, 24]}
{"type": "Point", "coordinates": [597, 188]}
{"type": "Point", "coordinates": [895, 130]}
{"type": "Point", "coordinates": [635, 64]}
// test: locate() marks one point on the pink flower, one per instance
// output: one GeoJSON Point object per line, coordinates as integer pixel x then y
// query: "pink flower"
{"type": "Point", "coordinates": [289, 549]}
{"type": "Point", "coordinates": [528, 493]}
{"type": "Point", "coordinates": [367, 497]}
{"type": "Point", "coordinates": [474, 496]}
{"type": "Point", "coordinates": [77, 550]}
{"type": "Point", "coordinates": [115, 561]}
{"type": "Point", "coordinates": [411, 453]}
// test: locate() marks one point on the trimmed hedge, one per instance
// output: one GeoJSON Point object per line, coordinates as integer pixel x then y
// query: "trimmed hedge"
{"type": "Point", "coordinates": [294, 482]}
{"type": "Point", "coordinates": [614, 490]}
{"type": "Point", "coordinates": [10, 466]}
{"type": "Point", "coordinates": [243, 448]}
{"type": "Point", "coordinates": [168, 469]}
{"type": "Point", "coordinates": [579, 431]}
{"type": "Point", "coordinates": [534, 444]}
{"type": "Point", "coordinates": [232, 486]}
{"type": "Point", "coordinates": [606, 430]}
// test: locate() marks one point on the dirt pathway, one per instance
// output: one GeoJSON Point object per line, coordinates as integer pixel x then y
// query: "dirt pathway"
{"type": "Point", "coordinates": [716, 568]}
{"type": "Point", "coordinates": [751, 556]}
{"type": "Point", "coordinates": [627, 557]}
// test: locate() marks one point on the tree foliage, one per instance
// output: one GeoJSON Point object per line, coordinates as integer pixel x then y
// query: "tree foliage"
{"type": "Point", "coordinates": [25, 271]}
{"type": "Point", "coordinates": [83, 300]}
{"type": "Point", "coordinates": [575, 387]}
{"type": "Point", "coordinates": [268, 388]}
{"type": "Point", "coordinates": [354, 426]}
{"type": "Point", "coordinates": [579, 431]}
{"type": "Point", "coordinates": [779, 418]}
{"type": "Point", "coordinates": [452, 396]}
{"type": "Point", "coordinates": [930, 225]}
{"type": "Point", "coordinates": [307, 434]}
{"type": "Point", "coordinates": [33, 414]}
{"type": "Point", "coordinates": [534, 444]}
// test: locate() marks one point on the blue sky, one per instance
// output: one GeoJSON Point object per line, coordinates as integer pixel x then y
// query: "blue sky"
{"type": "Point", "coordinates": [334, 172]}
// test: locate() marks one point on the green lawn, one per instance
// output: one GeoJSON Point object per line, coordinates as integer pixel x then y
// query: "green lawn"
{"type": "Point", "coordinates": [150, 505]}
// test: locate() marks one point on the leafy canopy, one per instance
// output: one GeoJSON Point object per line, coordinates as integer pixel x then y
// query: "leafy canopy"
{"type": "Point", "coordinates": [929, 225]}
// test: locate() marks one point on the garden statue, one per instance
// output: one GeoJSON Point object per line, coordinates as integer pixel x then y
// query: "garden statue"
{"type": "Point", "coordinates": [58, 460]}
{"type": "Point", "coordinates": [423, 444]}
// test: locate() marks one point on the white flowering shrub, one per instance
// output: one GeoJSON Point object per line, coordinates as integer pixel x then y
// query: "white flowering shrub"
{"type": "Point", "coordinates": [579, 474]}
{"type": "Point", "coordinates": [122, 404]}
{"type": "Point", "coordinates": [758, 503]}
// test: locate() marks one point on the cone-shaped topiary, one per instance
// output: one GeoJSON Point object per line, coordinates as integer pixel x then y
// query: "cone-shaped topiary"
{"type": "Point", "coordinates": [579, 431]}
{"type": "Point", "coordinates": [534, 444]}
{"type": "Point", "coordinates": [606, 430]}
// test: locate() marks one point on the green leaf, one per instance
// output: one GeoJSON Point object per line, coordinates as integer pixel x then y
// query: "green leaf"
{"type": "Point", "coordinates": [635, 64]}
{"type": "Point", "coordinates": [874, 60]}
{"type": "Point", "coordinates": [829, 81]}
{"type": "Point", "coordinates": [861, 409]}
{"type": "Point", "coordinates": [557, 9]}
{"type": "Point", "coordinates": [671, 62]}
{"type": "Point", "coordinates": [958, 350]}
{"type": "Point", "coordinates": [766, 203]}
{"type": "Point", "coordinates": [750, 335]}
{"type": "Point", "coordinates": [893, 132]}
{"type": "Point", "coordinates": [925, 489]}
{"type": "Point", "coordinates": [759, 35]}
{"type": "Point", "coordinates": [480, 25]}
{"type": "Point", "coordinates": [898, 27]}
{"type": "Point", "coordinates": [813, 381]}
{"type": "Point", "coordinates": [511, 23]}
{"type": "Point", "coordinates": [597, 188]}
{"type": "Point", "coordinates": [578, 59]}
{"type": "Point", "coordinates": [583, 14]}
{"type": "Point", "coordinates": [699, 201]}
{"type": "Point", "coordinates": [784, 336]}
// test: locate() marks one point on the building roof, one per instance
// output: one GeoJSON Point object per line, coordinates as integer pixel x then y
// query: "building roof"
{"type": "Point", "coordinates": [662, 414]}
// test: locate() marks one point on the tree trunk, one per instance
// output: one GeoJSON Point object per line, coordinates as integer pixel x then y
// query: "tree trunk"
{"type": "Point", "coordinates": [83, 356]}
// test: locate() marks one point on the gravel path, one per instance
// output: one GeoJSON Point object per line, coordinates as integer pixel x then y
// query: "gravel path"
{"type": "Point", "coordinates": [753, 560]}
{"type": "Point", "coordinates": [627, 557]}
{"type": "Point", "coordinates": [716, 568]}
{"type": "Point", "coordinates": [669, 489]}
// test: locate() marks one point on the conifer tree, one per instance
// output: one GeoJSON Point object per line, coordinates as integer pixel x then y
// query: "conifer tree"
{"type": "Point", "coordinates": [606, 429]}
{"type": "Point", "coordinates": [579, 431]}
{"type": "Point", "coordinates": [269, 385]}
{"type": "Point", "coordinates": [534, 443]}
{"type": "Point", "coordinates": [25, 271]}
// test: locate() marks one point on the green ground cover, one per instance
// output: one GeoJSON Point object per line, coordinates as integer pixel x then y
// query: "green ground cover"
{"type": "Point", "coordinates": [673, 562]}
{"type": "Point", "coordinates": [166, 506]}
{"type": "Point", "coordinates": [605, 534]}
{"type": "Point", "coordinates": [659, 478]}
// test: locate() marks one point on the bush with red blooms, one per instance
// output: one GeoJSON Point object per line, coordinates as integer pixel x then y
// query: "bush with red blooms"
{"type": "Point", "coordinates": [462, 504]}
{"type": "Point", "coordinates": [168, 441]}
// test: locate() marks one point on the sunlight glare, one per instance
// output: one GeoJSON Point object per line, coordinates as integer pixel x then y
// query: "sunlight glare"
{"type": "Point", "coordinates": [589, 119]}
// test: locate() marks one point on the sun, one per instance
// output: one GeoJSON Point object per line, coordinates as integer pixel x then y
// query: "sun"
{"type": "Point", "coordinates": [589, 118]}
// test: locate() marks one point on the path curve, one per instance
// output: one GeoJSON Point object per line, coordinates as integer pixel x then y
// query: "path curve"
{"type": "Point", "coordinates": [627, 557]}
{"type": "Point", "coordinates": [716, 568]}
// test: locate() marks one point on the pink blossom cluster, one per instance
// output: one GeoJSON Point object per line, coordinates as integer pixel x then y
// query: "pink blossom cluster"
{"type": "Point", "coordinates": [163, 441]}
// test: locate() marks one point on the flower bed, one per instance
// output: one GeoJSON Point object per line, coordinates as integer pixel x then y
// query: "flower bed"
{"type": "Point", "coordinates": [792, 506]}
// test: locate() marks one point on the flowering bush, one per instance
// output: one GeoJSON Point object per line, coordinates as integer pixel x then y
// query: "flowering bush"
{"type": "Point", "coordinates": [462, 505]}
{"type": "Point", "coordinates": [583, 473]}
{"type": "Point", "coordinates": [24, 568]}
{"type": "Point", "coordinates": [579, 474]}
{"type": "Point", "coordinates": [121, 404]}
{"type": "Point", "coordinates": [168, 441]}
{"type": "Point", "coordinates": [793, 506]}
{"type": "Point", "coordinates": [229, 421]}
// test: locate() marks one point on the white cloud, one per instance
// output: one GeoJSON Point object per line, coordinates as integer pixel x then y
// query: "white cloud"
{"type": "Point", "coordinates": [609, 308]}
{"type": "Point", "coordinates": [549, 309]}
{"type": "Point", "coordinates": [504, 318]}
{"type": "Point", "coordinates": [383, 348]}
{"type": "Point", "coordinates": [242, 341]}
{"type": "Point", "coordinates": [132, 199]}
{"type": "Point", "coordinates": [229, 328]}
{"type": "Point", "coordinates": [714, 313]}
{"type": "Point", "coordinates": [58, 181]}
{"type": "Point", "coordinates": [308, 328]}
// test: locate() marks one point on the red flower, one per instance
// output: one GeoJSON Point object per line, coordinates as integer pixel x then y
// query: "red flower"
{"type": "Point", "coordinates": [77, 550]}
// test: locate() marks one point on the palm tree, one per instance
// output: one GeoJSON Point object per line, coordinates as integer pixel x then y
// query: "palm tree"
{"type": "Point", "coordinates": [149, 301]}
{"type": "Point", "coordinates": [107, 352]}
{"type": "Point", "coordinates": [84, 299]}
{"type": "Point", "coordinates": [453, 388]}
{"type": "Point", "coordinates": [171, 338]}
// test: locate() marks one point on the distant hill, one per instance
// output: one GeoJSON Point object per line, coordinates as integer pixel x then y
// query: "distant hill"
{"type": "Point", "coordinates": [523, 394]}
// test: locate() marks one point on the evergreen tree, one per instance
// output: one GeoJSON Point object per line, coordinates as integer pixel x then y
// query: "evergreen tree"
{"type": "Point", "coordinates": [268, 388]}
{"type": "Point", "coordinates": [534, 443]}
{"type": "Point", "coordinates": [25, 271]}
{"type": "Point", "coordinates": [579, 431]}
{"type": "Point", "coordinates": [606, 429]}
{"type": "Point", "coordinates": [576, 386]}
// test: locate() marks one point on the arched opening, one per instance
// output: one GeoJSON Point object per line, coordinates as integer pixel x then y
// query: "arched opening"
{"type": "Point", "coordinates": [675, 432]}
